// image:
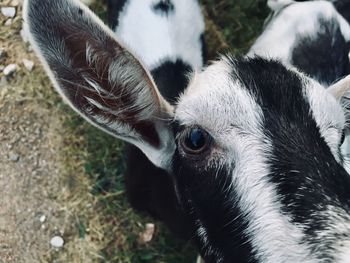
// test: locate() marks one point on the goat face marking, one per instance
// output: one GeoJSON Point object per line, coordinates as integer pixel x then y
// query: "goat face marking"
{"type": "Point", "coordinates": [266, 123]}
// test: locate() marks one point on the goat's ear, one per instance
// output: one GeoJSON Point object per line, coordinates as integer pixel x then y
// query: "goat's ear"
{"type": "Point", "coordinates": [340, 88]}
{"type": "Point", "coordinates": [99, 78]}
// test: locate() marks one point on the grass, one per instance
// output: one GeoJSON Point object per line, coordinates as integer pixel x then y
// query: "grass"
{"type": "Point", "coordinates": [121, 225]}
{"type": "Point", "coordinates": [231, 27]}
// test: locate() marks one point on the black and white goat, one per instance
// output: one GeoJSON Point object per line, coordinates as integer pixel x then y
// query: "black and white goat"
{"type": "Point", "coordinates": [313, 37]}
{"type": "Point", "coordinates": [168, 38]}
{"type": "Point", "coordinates": [252, 145]}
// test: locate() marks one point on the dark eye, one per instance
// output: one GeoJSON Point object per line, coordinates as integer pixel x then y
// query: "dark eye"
{"type": "Point", "coordinates": [195, 141]}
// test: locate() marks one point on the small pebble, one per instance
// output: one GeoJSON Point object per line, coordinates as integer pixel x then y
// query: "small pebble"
{"type": "Point", "coordinates": [24, 35]}
{"type": "Point", "coordinates": [10, 69]}
{"type": "Point", "coordinates": [42, 219]}
{"type": "Point", "coordinates": [14, 157]}
{"type": "Point", "coordinates": [148, 234]}
{"type": "Point", "coordinates": [8, 22]}
{"type": "Point", "coordinates": [29, 65]}
{"type": "Point", "coordinates": [57, 242]}
{"type": "Point", "coordinates": [8, 11]}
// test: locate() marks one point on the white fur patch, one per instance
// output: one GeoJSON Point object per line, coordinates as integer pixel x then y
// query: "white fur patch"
{"type": "Point", "coordinates": [344, 252]}
{"type": "Point", "coordinates": [336, 235]}
{"type": "Point", "coordinates": [155, 38]}
{"type": "Point", "coordinates": [280, 36]}
{"type": "Point", "coordinates": [234, 119]}
{"type": "Point", "coordinates": [278, 41]}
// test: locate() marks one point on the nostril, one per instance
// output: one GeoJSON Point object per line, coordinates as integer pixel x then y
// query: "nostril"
{"type": "Point", "coordinates": [163, 7]}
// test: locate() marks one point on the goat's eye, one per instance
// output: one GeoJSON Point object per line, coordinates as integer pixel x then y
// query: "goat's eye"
{"type": "Point", "coordinates": [195, 141]}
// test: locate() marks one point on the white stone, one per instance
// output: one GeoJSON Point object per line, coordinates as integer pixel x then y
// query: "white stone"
{"type": "Point", "coordinates": [8, 22]}
{"type": "Point", "coordinates": [147, 235]}
{"type": "Point", "coordinates": [25, 36]}
{"type": "Point", "coordinates": [42, 219]}
{"type": "Point", "coordinates": [8, 11]}
{"type": "Point", "coordinates": [14, 157]}
{"type": "Point", "coordinates": [29, 65]}
{"type": "Point", "coordinates": [57, 242]}
{"type": "Point", "coordinates": [10, 69]}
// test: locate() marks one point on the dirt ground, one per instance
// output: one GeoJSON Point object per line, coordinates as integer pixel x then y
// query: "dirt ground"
{"type": "Point", "coordinates": [29, 181]}
{"type": "Point", "coordinates": [33, 207]}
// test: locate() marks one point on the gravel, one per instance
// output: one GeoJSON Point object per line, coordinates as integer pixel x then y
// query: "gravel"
{"type": "Point", "coordinates": [57, 242]}
{"type": "Point", "coordinates": [42, 218]}
{"type": "Point", "coordinates": [13, 157]}
{"type": "Point", "coordinates": [10, 69]}
{"type": "Point", "coordinates": [8, 22]}
{"type": "Point", "coordinates": [28, 64]}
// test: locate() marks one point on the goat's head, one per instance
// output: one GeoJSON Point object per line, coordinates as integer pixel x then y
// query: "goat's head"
{"type": "Point", "coordinates": [252, 145]}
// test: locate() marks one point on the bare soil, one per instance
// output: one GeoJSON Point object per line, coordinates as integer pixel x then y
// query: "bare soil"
{"type": "Point", "coordinates": [33, 163]}
{"type": "Point", "coordinates": [29, 182]}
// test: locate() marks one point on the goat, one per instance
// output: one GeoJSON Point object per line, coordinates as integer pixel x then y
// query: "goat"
{"type": "Point", "coordinates": [313, 37]}
{"type": "Point", "coordinates": [251, 145]}
{"type": "Point", "coordinates": [158, 33]}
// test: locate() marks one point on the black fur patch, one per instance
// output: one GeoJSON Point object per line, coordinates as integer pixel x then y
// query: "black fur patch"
{"type": "Point", "coordinates": [323, 56]}
{"type": "Point", "coordinates": [171, 79]}
{"type": "Point", "coordinates": [209, 199]}
{"type": "Point", "coordinates": [343, 7]}
{"type": "Point", "coordinates": [164, 7]}
{"type": "Point", "coordinates": [305, 173]}
{"type": "Point", "coordinates": [114, 8]}
{"type": "Point", "coordinates": [151, 190]}
{"type": "Point", "coordinates": [204, 47]}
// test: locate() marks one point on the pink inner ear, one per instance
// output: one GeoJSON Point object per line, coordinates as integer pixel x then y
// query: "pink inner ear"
{"type": "Point", "coordinates": [95, 87]}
